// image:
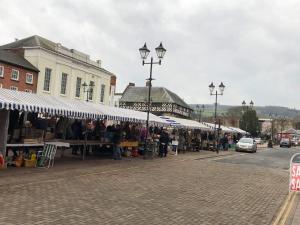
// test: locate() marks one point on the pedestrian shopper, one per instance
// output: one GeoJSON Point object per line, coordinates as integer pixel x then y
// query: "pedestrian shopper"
{"type": "Point", "coordinates": [117, 136]}
{"type": "Point", "coordinates": [225, 142]}
{"type": "Point", "coordinates": [164, 140]}
{"type": "Point", "coordinates": [77, 134]}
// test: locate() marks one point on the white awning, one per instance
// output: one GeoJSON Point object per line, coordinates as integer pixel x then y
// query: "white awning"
{"type": "Point", "coordinates": [30, 102]}
{"type": "Point", "coordinates": [238, 130]}
{"type": "Point", "coordinates": [225, 128]}
{"type": "Point", "coordinates": [179, 122]}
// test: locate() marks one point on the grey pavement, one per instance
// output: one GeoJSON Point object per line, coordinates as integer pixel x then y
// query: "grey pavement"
{"type": "Point", "coordinates": [296, 214]}
{"type": "Point", "coordinates": [192, 188]}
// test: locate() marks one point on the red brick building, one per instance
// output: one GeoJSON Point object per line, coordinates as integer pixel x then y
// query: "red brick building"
{"type": "Point", "coordinates": [16, 73]}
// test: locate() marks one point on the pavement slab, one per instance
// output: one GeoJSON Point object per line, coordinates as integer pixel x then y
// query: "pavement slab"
{"type": "Point", "coordinates": [176, 190]}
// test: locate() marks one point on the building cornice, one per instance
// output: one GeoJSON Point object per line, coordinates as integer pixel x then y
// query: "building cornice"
{"type": "Point", "coordinates": [72, 58]}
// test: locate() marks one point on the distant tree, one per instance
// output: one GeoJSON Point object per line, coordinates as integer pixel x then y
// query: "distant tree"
{"type": "Point", "coordinates": [249, 122]}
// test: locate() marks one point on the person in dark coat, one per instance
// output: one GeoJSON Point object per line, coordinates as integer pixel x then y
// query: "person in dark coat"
{"type": "Point", "coordinates": [164, 140]}
{"type": "Point", "coordinates": [77, 134]}
{"type": "Point", "coordinates": [117, 137]}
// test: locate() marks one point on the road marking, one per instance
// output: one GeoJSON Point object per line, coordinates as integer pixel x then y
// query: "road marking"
{"type": "Point", "coordinates": [285, 210]}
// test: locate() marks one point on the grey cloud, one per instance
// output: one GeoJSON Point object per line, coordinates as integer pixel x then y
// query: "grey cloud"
{"type": "Point", "coordinates": [252, 46]}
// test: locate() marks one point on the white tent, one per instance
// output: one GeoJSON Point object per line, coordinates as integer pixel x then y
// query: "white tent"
{"type": "Point", "coordinates": [59, 106]}
{"type": "Point", "coordinates": [225, 128]}
{"type": "Point", "coordinates": [238, 130]}
{"type": "Point", "coordinates": [179, 122]}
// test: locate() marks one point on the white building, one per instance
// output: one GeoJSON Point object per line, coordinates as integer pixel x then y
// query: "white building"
{"type": "Point", "coordinates": [63, 70]}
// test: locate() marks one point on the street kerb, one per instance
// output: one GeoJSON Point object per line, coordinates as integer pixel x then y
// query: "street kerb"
{"type": "Point", "coordinates": [285, 210]}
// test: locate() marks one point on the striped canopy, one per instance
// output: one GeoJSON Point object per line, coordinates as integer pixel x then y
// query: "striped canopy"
{"type": "Point", "coordinates": [185, 123]}
{"type": "Point", "coordinates": [30, 102]}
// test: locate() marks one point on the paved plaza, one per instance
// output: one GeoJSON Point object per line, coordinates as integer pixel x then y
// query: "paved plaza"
{"type": "Point", "coordinates": [192, 188]}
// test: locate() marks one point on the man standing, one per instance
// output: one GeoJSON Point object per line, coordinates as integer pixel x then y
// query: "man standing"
{"type": "Point", "coordinates": [164, 140]}
{"type": "Point", "coordinates": [117, 136]}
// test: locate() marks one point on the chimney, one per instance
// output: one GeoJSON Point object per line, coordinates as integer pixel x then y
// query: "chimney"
{"type": "Point", "coordinates": [113, 80]}
{"type": "Point", "coordinates": [131, 84]}
{"type": "Point", "coordinates": [99, 62]}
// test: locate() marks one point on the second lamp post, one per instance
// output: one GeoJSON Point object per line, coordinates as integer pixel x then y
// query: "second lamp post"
{"type": "Point", "coordinates": [215, 92]}
{"type": "Point", "coordinates": [144, 51]}
{"type": "Point", "coordinates": [200, 110]}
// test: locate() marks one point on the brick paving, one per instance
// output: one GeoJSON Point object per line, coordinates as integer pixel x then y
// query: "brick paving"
{"type": "Point", "coordinates": [176, 190]}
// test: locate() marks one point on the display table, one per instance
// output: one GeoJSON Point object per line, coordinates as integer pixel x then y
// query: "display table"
{"type": "Point", "coordinates": [129, 144]}
{"type": "Point", "coordinates": [19, 145]}
{"type": "Point", "coordinates": [58, 144]}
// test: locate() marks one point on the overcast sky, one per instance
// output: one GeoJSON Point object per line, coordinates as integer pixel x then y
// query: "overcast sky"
{"type": "Point", "coordinates": [250, 45]}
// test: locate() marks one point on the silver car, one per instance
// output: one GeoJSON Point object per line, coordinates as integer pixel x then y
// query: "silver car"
{"type": "Point", "coordinates": [246, 144]}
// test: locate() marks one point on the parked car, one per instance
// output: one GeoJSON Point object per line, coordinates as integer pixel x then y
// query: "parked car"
{"type": "Point", "coordinates": [258, 141]}
{"type": "Point", "coordinates": [285, 142]}
{"type": "Point", "coordinates": [246, 144]}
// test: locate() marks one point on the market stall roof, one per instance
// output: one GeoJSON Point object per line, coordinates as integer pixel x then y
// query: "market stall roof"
{"type": "Point", "coordinates": [23, 101]}
{"type": "Point", "coordinates": [226, 129]}
{"type": "Point", "coordinates": [238, 130]}
{"type": "Point", "coordinates": [179, 122]}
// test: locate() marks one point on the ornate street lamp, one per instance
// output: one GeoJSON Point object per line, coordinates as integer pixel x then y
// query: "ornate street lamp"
{"type": "Point", "coordinates": [215, 92]}
{"type": "Point", "coordinates": [246, 109]}
{"type": "Point", "coordinates": [200, 110]}
{"type": "Point", "coordinates": [144, 52]}
{"type": "Point", "coordinates": [251, 104]}
{"type": "Point", "coordinates": [244, 103]}
{"type": "Point", "coordinates": [88, 89]}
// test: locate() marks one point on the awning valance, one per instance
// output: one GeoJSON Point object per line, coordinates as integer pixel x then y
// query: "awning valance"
{"type": "Point", "coordinates": [179, 122]}
{"type": "Point", "coordinates": [30, 102]}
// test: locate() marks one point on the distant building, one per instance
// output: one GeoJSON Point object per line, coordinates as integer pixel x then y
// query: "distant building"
{"type": "Point", "coordinates": [265, 125]}
{"type": "Point", "coordinates": [117, 98]}
{"type": "Point", "coordinates": [64, 70]}
{"type": "Point", "coordinates": [16, 73]}
{"type": "Point", "coordinates": [163, 101]}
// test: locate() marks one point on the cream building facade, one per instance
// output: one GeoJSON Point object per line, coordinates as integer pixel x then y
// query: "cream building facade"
{"type": "Point", "coordinates": [63, 71]}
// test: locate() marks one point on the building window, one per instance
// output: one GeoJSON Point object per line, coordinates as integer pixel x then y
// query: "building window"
{"type": "Point", "coordinates": [1, 71]}
{"type": "Point", "coordinates": [102, 93]}
{"type": "Point", "coordinates": [14, 74]}
{"type": "Point", "coordinates": [13, 88]}
{"type": "Point", "coordinates": [47, 79]}
{"type": "Point", "coordinates": [28, 90]}
{"type": "Point", "coordinates": [63, 85]}
{"type": "Point", "coordinates": [78, 86]}
{"type": "Point", "coordinates": [29, 78]}
{"type": "Point", "coordinates": [91, 91]}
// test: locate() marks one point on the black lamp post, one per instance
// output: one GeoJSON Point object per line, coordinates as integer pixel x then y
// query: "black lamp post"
{"type": "Point", "coordinates": [247, 108]}
{"type": "Point", "coordinates": [200, 110]}
{"type": "Point", "coordinates": [212, 92]}
{"type": "Point", "coordinates": [144, 51]}
{"type": "Point", "coordinates": [88, 89]}
{"type": "Point", "coordinates": [272, 117]}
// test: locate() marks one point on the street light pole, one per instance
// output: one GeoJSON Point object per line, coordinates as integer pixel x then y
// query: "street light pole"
{"type": "Point", "coordinates": [88, 89]}
{"type": "Point", "coordinates": [246, 109]}
{"type": "Point", "coordinates": [144, 52]}
{"type": "Point", "coordinates": [200, 111]}
{"type": "Point", "coordinates": [211, 89]}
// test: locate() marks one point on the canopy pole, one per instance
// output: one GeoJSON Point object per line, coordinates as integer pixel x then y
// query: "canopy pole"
{"type": "Point", "coordinates": [4, 123]}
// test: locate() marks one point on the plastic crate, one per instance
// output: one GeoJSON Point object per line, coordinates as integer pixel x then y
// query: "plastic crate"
{"type": "Point", "coordinates": [29, 163]}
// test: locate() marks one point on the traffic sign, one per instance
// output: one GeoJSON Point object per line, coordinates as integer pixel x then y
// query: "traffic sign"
{"type": "Point", "coordinates": [294, 184]}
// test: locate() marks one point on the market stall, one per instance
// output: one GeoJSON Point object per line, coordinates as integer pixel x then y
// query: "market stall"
{"type": "Point", "coordinates": [31, 121]}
